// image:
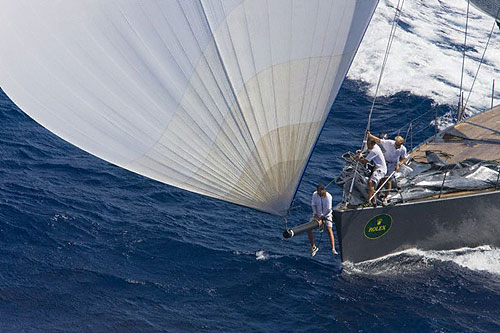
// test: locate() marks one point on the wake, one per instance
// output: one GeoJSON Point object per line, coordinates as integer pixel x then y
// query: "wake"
{"type": "Point", "coordinates": [426, 55]}
{"type": "Point", "coordinates": [480, 259]}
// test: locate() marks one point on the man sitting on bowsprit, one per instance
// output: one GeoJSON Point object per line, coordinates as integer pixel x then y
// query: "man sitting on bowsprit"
{"type": "Point", "coordinates": [322, 212]}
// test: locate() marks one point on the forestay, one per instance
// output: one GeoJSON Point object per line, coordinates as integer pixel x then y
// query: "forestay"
{"type": "Point", "coordinates": [221, 97]}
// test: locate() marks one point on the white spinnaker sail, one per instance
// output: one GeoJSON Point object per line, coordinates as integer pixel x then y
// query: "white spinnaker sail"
{"type": "Point", "coordinates": [490, 7]}
{"type": "Point", "coordinates": [221, 97]}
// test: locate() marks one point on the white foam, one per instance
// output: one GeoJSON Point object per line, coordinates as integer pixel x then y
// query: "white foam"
{"type": "Point", "coordinates": [483, 258]}
{"type": "Point", "coordinates": [261, 255]}
{"type": "Point", "coordinates": [59, 217]}
{"type": "Point", "coordinates": [425, 60]}
{"type": "Point", "coordinates": [132, 281]}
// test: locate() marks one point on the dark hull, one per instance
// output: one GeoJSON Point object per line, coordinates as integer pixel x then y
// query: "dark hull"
{"type": "Point", "coordinates": [441, 224]}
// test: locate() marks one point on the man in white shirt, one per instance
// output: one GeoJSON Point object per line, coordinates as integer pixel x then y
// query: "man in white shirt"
{"type": "Point", "coordinates": [376, 156]}
{"type": "Point", "coordinates": [321, 204]}
{"type": "Point", "coordinates": [395, 155]}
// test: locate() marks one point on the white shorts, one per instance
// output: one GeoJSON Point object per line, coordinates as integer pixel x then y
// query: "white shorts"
{"type": "Point", "coordinates": [376, 176]}
{"type": "Point", "coordinates": [329, 221]}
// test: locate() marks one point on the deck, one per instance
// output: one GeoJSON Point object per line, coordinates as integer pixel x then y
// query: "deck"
{"type": "Point", "coordinates": [477, 137]}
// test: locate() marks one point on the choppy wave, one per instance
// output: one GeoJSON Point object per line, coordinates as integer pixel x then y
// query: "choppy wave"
{"type": "Point", "coordinates": [484, 258]}
{"type": "Point", "coordinates": [88, 246]}
{"type": "Point", "coordinates": [480, 259]}
{"type": "Point", "coordinates": [426, 55]}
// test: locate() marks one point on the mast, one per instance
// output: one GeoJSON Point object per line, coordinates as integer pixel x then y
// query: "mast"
{"type": "Point", "coordinates": [460, 94]}
{"type": "Point", "coordinates": [492, 93]}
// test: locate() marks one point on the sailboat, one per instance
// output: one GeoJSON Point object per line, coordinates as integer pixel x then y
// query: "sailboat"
{"type": "Point", "coordinates": [448, 196]}
{"type": "Point", "coordinates": [451, 198]}
{"type": "Point", "coordinates": [224, 98]}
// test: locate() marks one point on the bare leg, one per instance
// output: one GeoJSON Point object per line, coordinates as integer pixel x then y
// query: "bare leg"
{"type": "Point", "coordinates": [332, 238]}
{"type": "Point", "coordinates": [381, 182]}
{"type": "Point", "coordinates": [378, 187]}
{"type": "Point", "coordinates": [311, 238]}
{"type": "Point", "coordinates": [388, 186]}
{"type": "Point", "coordinates": [371, 191]}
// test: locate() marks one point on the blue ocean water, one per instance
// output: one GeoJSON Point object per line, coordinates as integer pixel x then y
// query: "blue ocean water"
{"type": "Point", "coordinates": [87, 246]}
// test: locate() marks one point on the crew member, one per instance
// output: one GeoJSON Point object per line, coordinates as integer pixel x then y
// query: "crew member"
{"type": "Point", "coordinates": [376, 156]}
{"type": "Point", "coordinates": [395, 155]}
{"type": "Point", "coordinates": [322, 213]}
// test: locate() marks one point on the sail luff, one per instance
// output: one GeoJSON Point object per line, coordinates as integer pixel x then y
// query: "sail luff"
{"type": "Point", "coordinates": [331, 99]}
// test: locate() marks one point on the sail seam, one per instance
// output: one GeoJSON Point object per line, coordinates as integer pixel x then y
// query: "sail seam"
{"type": "Point", "coordinates": [324, 122]}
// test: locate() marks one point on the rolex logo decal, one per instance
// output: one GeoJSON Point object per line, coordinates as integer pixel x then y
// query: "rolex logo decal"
{"type": "Point", "coordinates": [378, 226]}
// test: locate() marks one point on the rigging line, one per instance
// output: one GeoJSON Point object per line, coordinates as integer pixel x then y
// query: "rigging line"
{"type": "Point", "coordinates": [479, 67]}
{"type": "Point", "coordinates": [324, 122]}
{"type": "Point", "coordinates": [422, 129]}
{"type": "Point", "coordinates": [414, 120]}
{"type": "Point", "coordinates": [330, 183]}
{"type": "Point", "coordinates": [419, 117]}
{"type": "Point", "coordinates": [408, 131]}
{"type": "Point", "coordinates": [397, 15]}
{"type": "Point", "coordinates": [463, 64]}
{"type": "Point", "coordinates": [321, 236]}
{"type": "Point", "coordinates": [285, 220]}
{"type": "Point", "coordinates": [392, 34]}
